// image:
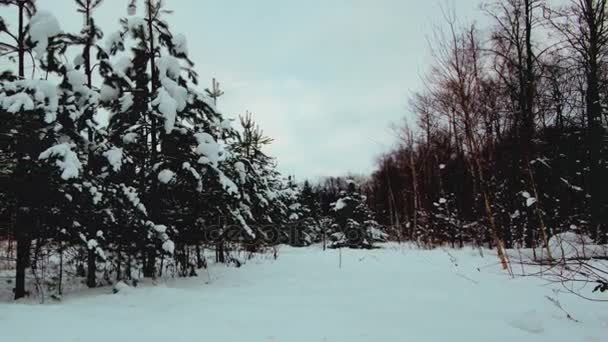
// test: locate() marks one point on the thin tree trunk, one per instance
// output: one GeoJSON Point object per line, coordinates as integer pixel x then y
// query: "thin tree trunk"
{"type": "Point", "coordinates": [541, 221]}
{"type": "Point", "coordinates": [22, 225]}
{"type": "Point", "coordinates": [119, 264]}
{"type": "Point", "coordinates": [60, 285]}
{"type": "Point", "coordinates": [128, 267]}
{"type": "Point", "coordinates": [199, 256]}
{"type": "Point", "coordinates": [415, 190]}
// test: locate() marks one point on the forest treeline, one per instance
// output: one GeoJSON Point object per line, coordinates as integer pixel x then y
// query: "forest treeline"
{"type": "Point", "coordinates": [509, 142]}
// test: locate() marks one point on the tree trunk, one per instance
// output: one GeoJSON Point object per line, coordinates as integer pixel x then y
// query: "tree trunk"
{"type": "Point", "coordinates": [528, 82]}
{"type": "Point", "coordinates": [199, 257]}
{"type": "Point", "coordinates": [220, 255]}
{"type": "Point", "coordinates": [22, 231]}
{"type": "Point", "coordinates": [128, 267]}
{"type": "Point", "coordinates": [154, 198]}
{"type": "Point", "coordinates": [60, 285]}
{"type": "Point", "coordinates": [594, 112]}
{"type": "Point", "coordinates": [24, 244]}
{"type": "Point", "coordinates": [150, 264]}
{"type": "Point", "coordinates": [415, 190]}
{"type": "Point", "coordinates": [91, 268]}
{"type": "Point", "coordinates": [119, 264]}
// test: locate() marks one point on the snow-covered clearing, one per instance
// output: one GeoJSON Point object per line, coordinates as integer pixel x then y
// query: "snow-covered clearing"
{"type": "Point", "coordinates": [391, 294]}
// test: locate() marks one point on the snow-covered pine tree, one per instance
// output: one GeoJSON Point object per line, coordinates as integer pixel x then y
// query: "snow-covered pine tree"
{"type": "Point", "coordinates": [170, 133]}
{"type": "Point", "coordinates": [299, 233]}
{"type": "Point", "coordinates": [81, 78]}
{"type": "Point", "coordinates": [30, 112]}
{"type": "Point", "coordinates": [354, 225]}
{"type": "Point", "coordinates": [310, 200]}
{"type": "Point", "coordinates": [445, 223]}
{"type": "Point", "coordinates": [102, 214]}
{"type": "Point", "coordinates": [258, 180]}
{"type": "Point", "coordinates": [310, 218]}
{"type": "Point", "coordinates": [127, 228]}
{"type": "Point", "coordinates": [45, 118]}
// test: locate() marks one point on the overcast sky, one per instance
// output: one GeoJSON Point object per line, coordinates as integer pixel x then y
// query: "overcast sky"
{"type": "Point", "coordinates": [324, 78]}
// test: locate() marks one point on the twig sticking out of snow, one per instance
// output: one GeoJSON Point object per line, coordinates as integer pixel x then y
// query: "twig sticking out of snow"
{"type": "Point", "coordinates": [467, 278]}
{"type": "Point", "coordinates": [559, 306]}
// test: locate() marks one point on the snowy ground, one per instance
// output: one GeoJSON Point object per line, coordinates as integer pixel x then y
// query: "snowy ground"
{"type": "Point", "coordinates": [392, 294]}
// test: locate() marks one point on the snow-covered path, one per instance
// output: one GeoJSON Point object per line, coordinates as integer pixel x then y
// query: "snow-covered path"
{"type": "Point", "coordinates": [393, 294]}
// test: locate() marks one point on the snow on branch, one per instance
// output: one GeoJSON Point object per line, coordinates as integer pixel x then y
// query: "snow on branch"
{"type": "Point", "coordinates": [67, 160]}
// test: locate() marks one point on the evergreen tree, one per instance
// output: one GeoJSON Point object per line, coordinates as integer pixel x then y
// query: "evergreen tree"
{"type": "Point", "coordinates": [354, 225]}
{"type": "Point", "coordinates": [258, 180]}
{"type": "Point", "coordinates": [170, 133]}
{"type": "Point", "coordinates": [36, 125]}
